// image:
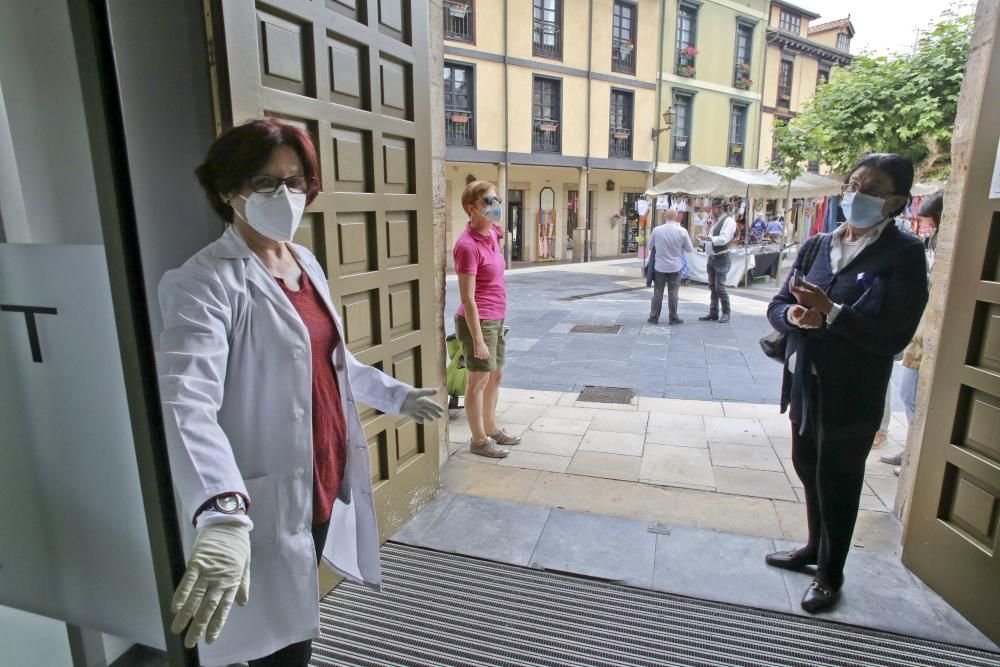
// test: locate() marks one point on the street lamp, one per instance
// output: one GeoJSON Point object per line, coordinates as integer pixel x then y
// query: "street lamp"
{"type": "Point", "coordinates": [669, 116]}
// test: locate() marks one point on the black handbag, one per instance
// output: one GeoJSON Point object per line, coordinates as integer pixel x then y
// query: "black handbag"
{"type": "Point", "coordinates": [773, 344]}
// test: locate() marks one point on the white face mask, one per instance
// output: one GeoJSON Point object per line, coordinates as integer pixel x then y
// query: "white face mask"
{"type": "Point", "coordinates": [275, 216]}
{"type": "Point", "coordinates": [861, 210]}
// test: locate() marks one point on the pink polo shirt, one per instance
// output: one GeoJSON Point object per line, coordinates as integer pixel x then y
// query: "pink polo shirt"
{"type": "Point", "coordinates": [482, 257]}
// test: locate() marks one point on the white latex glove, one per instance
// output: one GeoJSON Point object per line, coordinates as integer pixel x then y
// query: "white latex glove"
{"type": "Point", "coordinates": [420, 407]}
{"type": "Point", "coordinates": [218, 573]}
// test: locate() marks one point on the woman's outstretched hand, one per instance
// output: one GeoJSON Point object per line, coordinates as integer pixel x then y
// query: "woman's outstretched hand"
{"type": "Point", "coordinates": [420, 407]}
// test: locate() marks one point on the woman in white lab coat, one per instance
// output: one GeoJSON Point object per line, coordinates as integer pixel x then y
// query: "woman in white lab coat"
{"type": "Point", "coordinates": [269, 459]}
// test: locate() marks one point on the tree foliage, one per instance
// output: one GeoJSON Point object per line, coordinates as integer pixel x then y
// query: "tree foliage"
{"type": "Point", "coordinates": [901, 103]}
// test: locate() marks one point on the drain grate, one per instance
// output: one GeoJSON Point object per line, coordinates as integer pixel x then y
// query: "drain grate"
{"type": "Point", "coordinates": [443, 609]}
{"type": "Point", "coordinates": [592, 394]}
{"type": "Point", "coordinates": [596, 328]}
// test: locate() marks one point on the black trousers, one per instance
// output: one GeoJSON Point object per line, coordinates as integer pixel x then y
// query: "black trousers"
{"type": "Point", "coordinates": [718, 269]}
{"type": "Point", "coordinates": [298, 654]}
{"type": "Point", "coordinates": [672, 281]}
{"type": "Point", "coordinates": [832, 473]}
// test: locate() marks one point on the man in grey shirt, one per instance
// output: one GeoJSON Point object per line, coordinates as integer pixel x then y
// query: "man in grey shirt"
{"type": "Point", "coordinates": [670, 241]}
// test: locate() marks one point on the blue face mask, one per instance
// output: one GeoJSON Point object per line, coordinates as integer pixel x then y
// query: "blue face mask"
{"type": "Point", "coordinates": [492, 213]}
{"type": "Point", "coordinates": [861, 210]}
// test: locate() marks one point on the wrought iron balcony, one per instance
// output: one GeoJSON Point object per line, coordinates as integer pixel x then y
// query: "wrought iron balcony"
{"type": "Point", "coordinates": [681, 149]}
{"type": "Point", "coordinates": [620, 142]}
{"type": "Point", "coordinates": [458, 20]}
{"type": "Point", "coordinates": [784, 96]}
{"type": "Point", "coordinates": [547, 39]}
{"type": "Point", "coordinates": [741, 76]}
{"type": "Point", "coordinates": [622, 55]}
{"type": "Point", "coordinates": [546, 136]}
{"type": "Point", "coordinates": [735, 154]}
{"type": "Point", "coordinates": [458, 127]}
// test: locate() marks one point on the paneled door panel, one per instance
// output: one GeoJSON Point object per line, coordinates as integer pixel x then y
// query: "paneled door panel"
{"type": "Point", "coordinates": [354, 73]}
{"type": "Point", "coordinates": [951, 538]}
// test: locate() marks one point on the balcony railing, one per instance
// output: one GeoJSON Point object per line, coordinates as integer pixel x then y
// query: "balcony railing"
{"type": "Point", "coordinates": [784, 96]}
{"type": "Point", "coordinates": [681, 149]}
{"type": "Point", "coordinates": [735, 154]}
{"type": "Point", "coordinates": [686, 61]}
{"type": "Point", "coordinates": [458, 20]}
{"type": "Point", "coordinates": [620, 142]}
{"type": "Point", "coordinates": [458, 128]}
{"type": "Point", "coordinates": [741, 76]}
{"type": "Point", "coordinates": [622, 55]}
{"type": "Point", "coordinates": [546, 136]}
{"type": "Point", "coordinates": [547, 39]}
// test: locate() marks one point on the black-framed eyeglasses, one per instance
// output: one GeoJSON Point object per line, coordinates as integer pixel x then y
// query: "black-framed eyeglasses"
{"type": "Point", "coordinates": [491, 200]}
{"type": "Point", "coordinates": [854, 188]}
{"type": "Point", "coordinates": [269, 185]}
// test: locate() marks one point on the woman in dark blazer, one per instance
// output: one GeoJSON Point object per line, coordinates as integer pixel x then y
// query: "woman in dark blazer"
{"type": "Point", "coordinates": [857, 306]}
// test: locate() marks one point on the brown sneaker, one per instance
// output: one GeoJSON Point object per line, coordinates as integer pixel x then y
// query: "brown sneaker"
{"type": "Point", "coordinates": [506, 439]}
{"type": "Point", "coordinates": [488, 447]}
{"type": "Point", "coordinates": [880, 439]}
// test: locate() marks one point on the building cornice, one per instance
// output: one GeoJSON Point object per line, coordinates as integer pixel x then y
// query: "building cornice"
{"type": "Point", "coordinates": [794, 43]}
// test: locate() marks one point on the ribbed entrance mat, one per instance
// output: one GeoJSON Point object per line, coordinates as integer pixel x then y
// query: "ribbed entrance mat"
{"type": "Point", "coordinates": [443, 609]}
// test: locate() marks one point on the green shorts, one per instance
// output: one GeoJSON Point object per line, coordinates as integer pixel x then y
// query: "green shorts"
{"type": "Point", "coordinates": [494, 337]}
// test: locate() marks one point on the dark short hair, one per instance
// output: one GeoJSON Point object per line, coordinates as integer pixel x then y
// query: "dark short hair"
{"type": "Point", "coordinates": [898, 168]}
{"type": "Point", "coordinates": [931, 207]}
{"type": "Point", "coordinates": [242, 151]}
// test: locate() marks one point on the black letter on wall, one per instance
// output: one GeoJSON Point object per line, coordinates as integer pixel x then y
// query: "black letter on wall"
{"type": "Point", "coordinates": [29, 319]}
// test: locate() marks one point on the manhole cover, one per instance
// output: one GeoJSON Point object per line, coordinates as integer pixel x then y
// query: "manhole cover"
{"type": "Point", "coordinates": [592, 394]}
{"type": "Point", "coordinates": [596, 328]}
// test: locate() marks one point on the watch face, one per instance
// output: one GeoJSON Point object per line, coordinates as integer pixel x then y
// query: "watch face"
{"type": "Point", "coordinates": [228, 503]}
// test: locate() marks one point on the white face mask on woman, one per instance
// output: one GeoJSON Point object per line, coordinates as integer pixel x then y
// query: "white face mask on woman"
{"type": "Point", "coordinates": [861, 210]}
{"type": "Point", "coordinates": [275, 216]}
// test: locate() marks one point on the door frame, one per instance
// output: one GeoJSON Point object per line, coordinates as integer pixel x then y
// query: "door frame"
{"type": "Point", "coordinates": [956, 480]}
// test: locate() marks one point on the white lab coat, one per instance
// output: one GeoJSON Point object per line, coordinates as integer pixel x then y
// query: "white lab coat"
{"type": "Point", "coordinates": [236, 384]}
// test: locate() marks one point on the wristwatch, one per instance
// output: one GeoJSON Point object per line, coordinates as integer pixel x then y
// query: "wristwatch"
{"type": "Point", "coordinates": [231, 503]}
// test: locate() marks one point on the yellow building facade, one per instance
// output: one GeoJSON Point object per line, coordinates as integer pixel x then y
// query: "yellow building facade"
{"type": "Point", "coordinates": [801, 54]}
{"type": "Point", "coordinates": [554, 98]}
{"type": "Point", "coordinates": [712, 69]}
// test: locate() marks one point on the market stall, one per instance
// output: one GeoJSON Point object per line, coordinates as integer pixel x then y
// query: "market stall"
{"type": "Point", "coordinates": [693, 188]}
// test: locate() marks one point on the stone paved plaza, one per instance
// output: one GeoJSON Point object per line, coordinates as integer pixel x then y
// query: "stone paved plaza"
{"type": "Point", "coordinates": [702, 443]}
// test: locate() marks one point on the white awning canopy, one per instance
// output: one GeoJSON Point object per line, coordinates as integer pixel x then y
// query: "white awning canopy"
{"type": "Point", "coordinates": [704, 181]}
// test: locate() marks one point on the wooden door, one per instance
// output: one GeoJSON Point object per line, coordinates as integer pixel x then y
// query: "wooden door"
{"type": "Point", "coordinates": [354, 73]}
{"type": "Point", "coordinates": [951, 539]}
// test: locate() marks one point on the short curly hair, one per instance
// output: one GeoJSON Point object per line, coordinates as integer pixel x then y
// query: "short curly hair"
{"type": "Point", "coordinates": [242, 151]}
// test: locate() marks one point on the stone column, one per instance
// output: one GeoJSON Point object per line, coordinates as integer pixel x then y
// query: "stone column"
{"type": "Point", "coordinates": [580, 236]}
{"type": "Point", "coordinates": [502, 190]}
{"type": "Point", "coordinates": [439, 189]}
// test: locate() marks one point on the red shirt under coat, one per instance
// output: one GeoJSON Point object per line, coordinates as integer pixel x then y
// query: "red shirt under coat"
{"type": "Point", "coordinates": [328, 423]}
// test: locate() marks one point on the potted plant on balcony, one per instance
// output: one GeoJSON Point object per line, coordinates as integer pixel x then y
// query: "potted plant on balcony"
{"type": "Point", "coordinates": [689, 51]}
{"type": "Point", "coordinates": [686, 70]}
{"type": "Point", "coordinates": [744, 83]}
{"type": "Point", "coordinates": [458, 10]}
{"type": "Point", "coordinates": [627, 47]}
{"type": "Point", "coordinates": [460, 118]}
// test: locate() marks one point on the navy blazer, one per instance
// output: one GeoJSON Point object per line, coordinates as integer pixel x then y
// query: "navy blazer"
{"type": "Point", "coordinates": [883, 291]}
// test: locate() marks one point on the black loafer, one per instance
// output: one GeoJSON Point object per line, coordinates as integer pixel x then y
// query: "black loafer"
{"type": "Point", "coordinates": [724, 318]}
{"type": "Point", "coordinates": [790, 560]}
{"type": "Point", "coordinates": [708, 318]}
{"type": "Point", "coordinates": [819, 597]}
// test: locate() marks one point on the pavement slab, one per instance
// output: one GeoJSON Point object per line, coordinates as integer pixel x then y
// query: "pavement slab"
{"type": "Point", "coordinates": [595, 545]}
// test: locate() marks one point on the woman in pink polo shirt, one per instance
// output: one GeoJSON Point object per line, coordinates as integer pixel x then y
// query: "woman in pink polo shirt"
{"type": "Point", "coordinates": [479, 263]}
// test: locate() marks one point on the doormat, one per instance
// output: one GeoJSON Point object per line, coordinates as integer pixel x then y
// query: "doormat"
{"type": "Point", "coordinates": [431, 611]}
{"type": "Point", "coordinates": [592, 394]}
{"type": "Point", "coordinates": [596, 328]}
